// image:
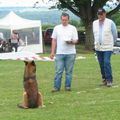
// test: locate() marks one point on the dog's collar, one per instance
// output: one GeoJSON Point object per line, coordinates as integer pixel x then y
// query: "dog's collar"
{"type": "Point", "coordinates": [32, 78]}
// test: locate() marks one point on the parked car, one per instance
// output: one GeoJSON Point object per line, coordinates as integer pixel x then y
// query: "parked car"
{"type": "Point", "coordinates": [116, 48]}
{"type": "Point", "coordinates": [47, 36]}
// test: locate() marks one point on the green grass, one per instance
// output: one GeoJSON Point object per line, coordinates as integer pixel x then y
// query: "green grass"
{"type": "Point", "coordinates": [86, 101]}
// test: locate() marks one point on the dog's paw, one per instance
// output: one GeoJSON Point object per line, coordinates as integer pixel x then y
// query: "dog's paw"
{"type": "Point", "coordinates": [22, 106]}
{"type": "Point", "coordinates": [43, 106]}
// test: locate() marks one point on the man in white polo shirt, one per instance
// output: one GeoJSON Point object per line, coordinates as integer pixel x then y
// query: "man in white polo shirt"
{"type": "Point", "coordinates": [64, 38]}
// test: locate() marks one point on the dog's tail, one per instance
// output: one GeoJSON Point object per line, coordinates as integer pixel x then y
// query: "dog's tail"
{"type": "Point", "coordinates": [31, 89]}
{"type": "Point", "coordinates": [33, 101]}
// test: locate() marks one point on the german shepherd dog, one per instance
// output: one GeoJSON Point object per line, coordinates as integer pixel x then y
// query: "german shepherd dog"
{"type": "Point", "coordinates": [31, 97]}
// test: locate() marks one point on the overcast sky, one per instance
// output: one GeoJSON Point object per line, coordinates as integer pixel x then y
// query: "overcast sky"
{"type": "Point", "coordinates": [19, 3]}
{"type": "Point", "coordinates": [7, 3]}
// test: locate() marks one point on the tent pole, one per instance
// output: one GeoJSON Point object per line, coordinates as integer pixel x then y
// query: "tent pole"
{"type": "Point", "coordinates": [11, 31]}
{"type": "Point", "coordinates": [40, 38]}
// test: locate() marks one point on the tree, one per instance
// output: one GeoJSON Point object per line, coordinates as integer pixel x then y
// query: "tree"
{"type": "Point", "coordinates": [116, 18]}
{"type": "Point", "coordinates": [87, 11]}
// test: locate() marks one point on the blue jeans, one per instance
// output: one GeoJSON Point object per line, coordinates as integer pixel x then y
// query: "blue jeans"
{"type": "Point", "coordinates": [64, 61]}
{"type": "Point", "coordinates": [105, 65]}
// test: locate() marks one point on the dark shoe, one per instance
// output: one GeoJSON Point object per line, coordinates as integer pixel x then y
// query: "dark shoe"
{"type": "Point", "coordinates": [55, 90]}
{"type": "Point", "coordinates": [104, 82]}
{"type": "Point", "coordinates": [67, 89]}
{"type": "Point", "coordinates": [109, 84]}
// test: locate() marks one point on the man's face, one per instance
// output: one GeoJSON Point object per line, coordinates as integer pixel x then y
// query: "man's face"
{"type": "Point", "coordinates": [102, 16]}
{"type": "Point", "coordinates": [65, 20]}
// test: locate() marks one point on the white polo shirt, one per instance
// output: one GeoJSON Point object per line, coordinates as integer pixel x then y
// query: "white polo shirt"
{"type": "Point", "coordinates": [61, 34]}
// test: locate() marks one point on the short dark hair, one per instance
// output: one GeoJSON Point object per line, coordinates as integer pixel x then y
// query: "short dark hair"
{"type": "Point", "coordinates": [65, 14]}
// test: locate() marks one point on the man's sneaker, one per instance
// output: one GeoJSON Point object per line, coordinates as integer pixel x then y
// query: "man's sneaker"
{"type": "Point", "coordinates": [67, 89]}
{"type": "Point", "coordinates": [55, 90]}
{"type": "Point", "coordinates": [109, 84]}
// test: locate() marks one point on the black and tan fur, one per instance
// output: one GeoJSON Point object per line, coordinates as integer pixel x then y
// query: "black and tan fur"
{"type": "Point", "coordinates": [32, 98]}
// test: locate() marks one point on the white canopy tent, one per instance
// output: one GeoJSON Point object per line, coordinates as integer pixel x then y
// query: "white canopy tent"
{"type": "Point", "coordinates": [15, 22]}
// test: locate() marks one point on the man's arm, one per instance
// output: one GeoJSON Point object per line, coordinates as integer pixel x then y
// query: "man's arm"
{"type": "Point", "coordinates": [53, 48]}
{"type": "Point", "coordinates": [114, 31]}
{"type": "Point", "coordinates": [74, 39]}
{"type": "Point", "coordinates": [75, 36]}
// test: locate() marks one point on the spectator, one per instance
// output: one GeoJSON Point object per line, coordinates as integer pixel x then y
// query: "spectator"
{"type": "Point", "coordinates": [14, 40]}
{"type": "Point", "coordinates": [105, 33]}
{"type": "Point", "coordinates": [64, 38]}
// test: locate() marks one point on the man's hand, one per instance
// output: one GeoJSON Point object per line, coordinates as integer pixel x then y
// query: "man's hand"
{"type": "Point", "coordinates": [72, 42]}
{"type": "Point", "coordinates": [69, 42]}
{"type": "Point", "coordinates": [52, 55]}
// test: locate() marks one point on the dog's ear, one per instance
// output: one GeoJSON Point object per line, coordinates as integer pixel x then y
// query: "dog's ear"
{"type": "Point", "coordinates": [25, 62]}
{"type": "Point", "coordinates": [33, 62]}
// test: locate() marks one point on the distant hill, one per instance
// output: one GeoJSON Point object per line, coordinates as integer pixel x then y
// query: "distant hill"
{"type": "Point", "coordinates": [44, 14]}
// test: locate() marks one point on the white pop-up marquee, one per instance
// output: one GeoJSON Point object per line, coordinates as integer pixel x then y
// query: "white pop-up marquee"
{"type": "Point", "coordinates": [14, 22]}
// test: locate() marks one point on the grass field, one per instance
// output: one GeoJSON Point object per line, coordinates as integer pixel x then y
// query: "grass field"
{"type": "Point", "coordinates": [86, 101]}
